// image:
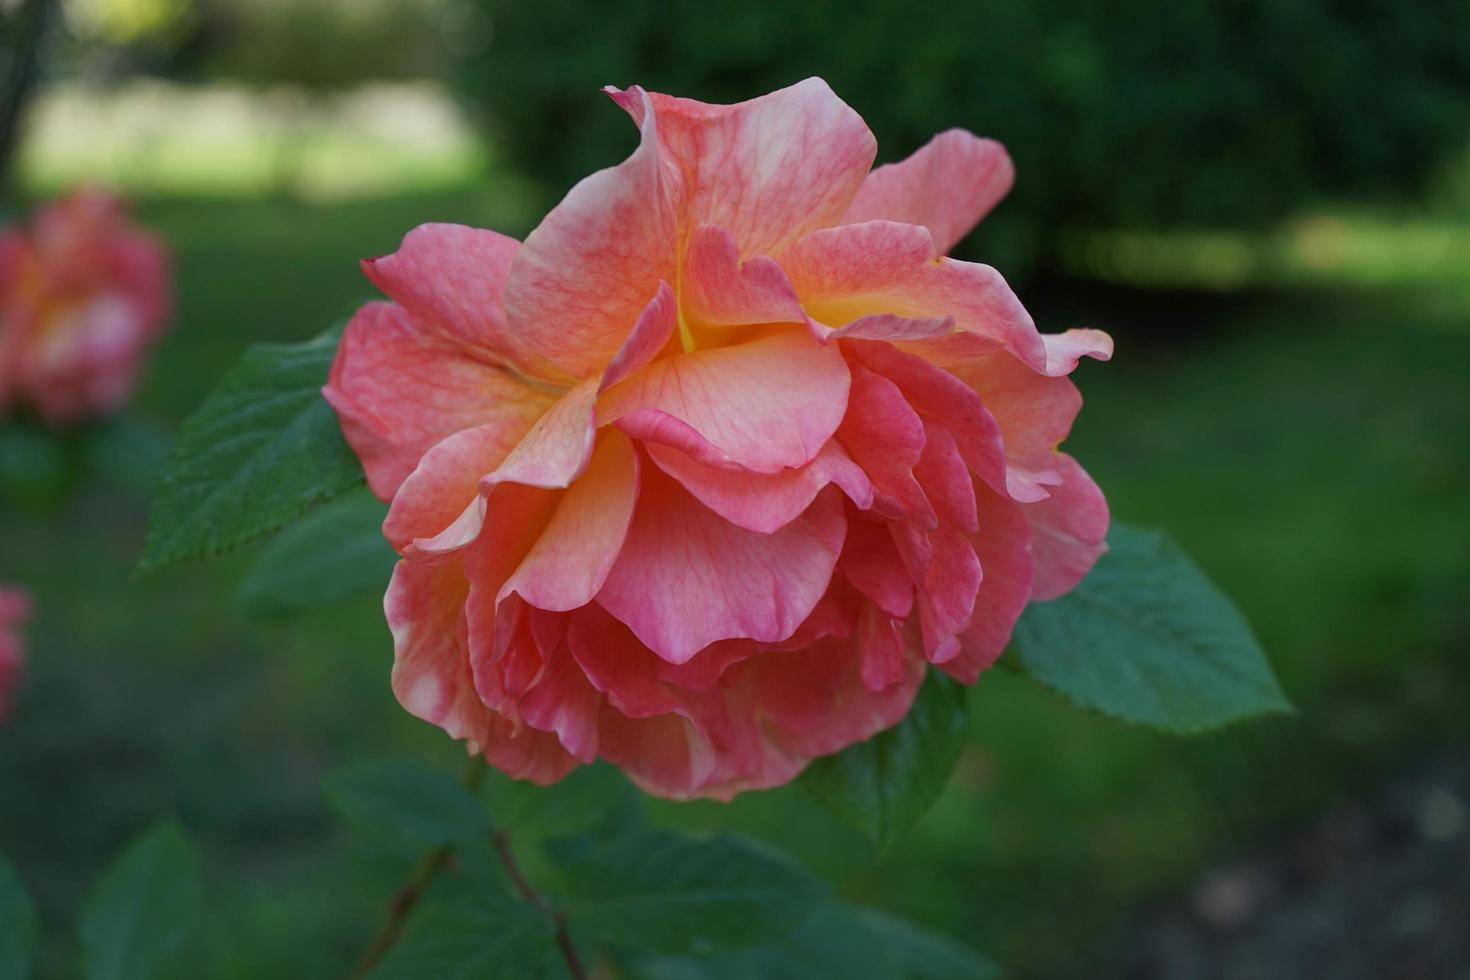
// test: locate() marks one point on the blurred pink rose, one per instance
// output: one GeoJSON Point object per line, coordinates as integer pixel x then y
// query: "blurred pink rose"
{"type": "Point", "coordinates": [702, 476]}
{"type": "Point", "coordinates": [15, 609]}
{"type": "Point", "coordinates": [83, 294]}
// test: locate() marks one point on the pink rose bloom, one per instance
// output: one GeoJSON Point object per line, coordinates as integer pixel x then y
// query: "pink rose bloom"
{"type": "Point", "coordinates": [83, 294]}
{"type": "Point", "coordinates": [704, 475]}
{"type": "Point", "coordinates": [15, 609]}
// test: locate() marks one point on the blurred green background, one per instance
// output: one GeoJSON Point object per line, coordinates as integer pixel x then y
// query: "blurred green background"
{"type": "Point", "coordinates": [1267, 205]}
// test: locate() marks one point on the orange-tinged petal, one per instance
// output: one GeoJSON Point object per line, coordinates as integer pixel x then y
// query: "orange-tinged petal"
{"type": "Point", "coordinates": [399, 389]}
{"type": "Point", "coordinates": [769, 169]}
{"type": "Point", "coordinates": [947, 186]}
{"type": "Point", "coordinates": [580, 280]}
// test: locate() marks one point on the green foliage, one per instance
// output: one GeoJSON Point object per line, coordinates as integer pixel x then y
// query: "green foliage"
{"type": "Point", "coordinates": [336, 552]}
{"type": "Point", "coordinates": [1132, 114]}
{"type": "Point", "coordinates": [592, 803]}
{"type": "Point", "coordinates": [1148, 638]}
{"type": "Point", "coordinates": [142, 909]}
{"type": "Point", "coordinates": [489, 937]}
{"type": "Point", "coordinates": [280, 41]}
{"type": "Point", "coordinates": [884, 785]}
{"type": "Point", "coordinates": [34, 470]}
{"type": "Point", "coordinates": [405, 801]}
{"type": "Point", "coordinates": [260, 451]}
{"type": "Point", "coordinates": [835, 941]}
{"type": "Point", "coordinates": [922, 954]}
{"type": "Point", "coordinates": [18, 928]}
{"type": "Point", "coordinates": [666, 892]}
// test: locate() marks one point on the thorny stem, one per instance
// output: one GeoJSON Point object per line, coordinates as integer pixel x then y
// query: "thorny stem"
{"type": "Point", "coordinates": [434, 862]}
{"type": "Point", "coordinates": [408, 896]}
{"type": "Point", "coordinates": [563, 938]}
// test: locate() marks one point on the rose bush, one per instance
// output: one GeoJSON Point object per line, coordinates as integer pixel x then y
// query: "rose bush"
{"type": "Point", "coordinates": [83, 295]}
{"type": "Point", "coordinates": [15, 609]}
{"type": "Point", "coordinates": [704, 475]}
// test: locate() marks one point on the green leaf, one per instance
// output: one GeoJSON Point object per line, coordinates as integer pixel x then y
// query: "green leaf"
{"type": "Point", "coordinates": [336, 552]}
{"type": "Point", "coordinates": [487, 939]}
{"type": "Point", "coordinates": [884, 785]}
{"type": "Point", "coordinates": [260, 451]}
{"type": "Point", "coordinates": [827, 944]}
{"type": "Point", "coordinates": [922, 954]}
{"type": "Point", "coordinates": [836, 941]}
{"type": "Point", "coordinates": [1148, 638]}
{"type": "Point", "coordinates": [408, 802]}
{"type": "Point", "coordinates": [18, 927]}
{"type": "Point", "coordinates": [665, 892]}
{"type": "Point", "coordinates": [594, 800]}
{"type": "Point", "coordinates": [142, 909]}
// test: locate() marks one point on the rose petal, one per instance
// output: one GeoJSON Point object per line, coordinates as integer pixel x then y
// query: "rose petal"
{"type": "Point", "coordinates": [452, 278]}
{"type": "Point", "coordinates": [765, 405]}
{"type": "Point", "coordinates": [1035, 412]}
{"type": "Point", "coordinates": [721, 290]}
{"type": "Point", "coordinates": [1064, 350]}
{"type": "Point", "coordinates": [1003, 545]}
{"type": "Point", "coordinates": [947, 186]}
{"type": "Point", "coordinates": [1070, 530]}
{"type": "Point", "coordinates": [398, 389]}
{"type": "Point", "coordinates": [564, 703]}
{"type": "Point", "coordinates": [871, 563]}
{"type": "Point", "coordinates": [769, 169]}
{"type": "Point", "coordinates": [885, 437]}
{"type": "Point", "coordinates": [582, 277]}
{"type": "Point", "coordinates": [442, 493]}
{"type": "Point", "coordinates": [852, 271]}
{"type": "Point", "coordinates": [939, 395]}
{"type": "Point", "coordinates": [686, 577]}
{"type": "Point", "coordinates": [765, 502]}
{"type": "Point", "coordinates": [651, 331]}
{"type": "Point", "coordinates": [570, 560]}
{"type": "Point", "coordinates": [946, 599]}
{"type": "Point", "coordinates": [664, 755]}
{"type": "Point", "coordinates": [432, 680]}
{"type": "Point", "coordinates": [945, 478]}
{"type": "Point", "coordinates": [880, 650]}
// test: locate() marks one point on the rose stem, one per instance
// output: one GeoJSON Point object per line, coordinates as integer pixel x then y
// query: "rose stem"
{"type": "Point", "coordinates": [563, 938]}
{"type": "Point", "coordinates": [408, 896]}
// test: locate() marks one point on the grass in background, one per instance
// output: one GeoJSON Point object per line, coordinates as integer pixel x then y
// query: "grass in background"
{"type": "Point", "coordinates": [1305, 445]}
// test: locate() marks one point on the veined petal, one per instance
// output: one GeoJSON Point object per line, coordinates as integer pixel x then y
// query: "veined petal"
{"type": "Point", "coordinates": [947, 186]}
{"type": "Point", "coordinates": [651, 331]}
{"type": "Point", "coordinates": [721, 290]}
{"type": "Point", "coordinates": [1034, 411]}
{"type": "Point", "coordinates": [556, 449]}
{"type": "Point", "coordinates": [1070, 530]}
{"type": "Point", "coordinates": [939, 395]}
{"type": "Point", "coordinates": [946, 479]}
{"type": "Point", "coordinates": [452, 279]}
{"type": "Point", "coordinates": [442, 493]}
{"type": "Point", "coordinates": [687, 577]}
{"type": "Point", "coordinates": [765, 502]}
{"type": "Point", "coordinates": [1065, 349]}
{"type": "Point", "coordinates": [583, 276]}
{"type": "Point", "coordinates": [398, 389]}
{"type": "Point", "coordinates": [1003, 545]}
{"type": "Point", "coordinates": [769, 169]}
{"type": "Point", "coordinates": [885, 437]}
{"type": "Point", "coordinates": [871, 564]}
{"type": "Point", "coordinates": [852, 271]}
{"type": "Point", "coordinates": [570, 560]}
{"type": "Point", "coordinates": [765, 405]}
{"type": "Point", "coordinates": [432, 679]}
